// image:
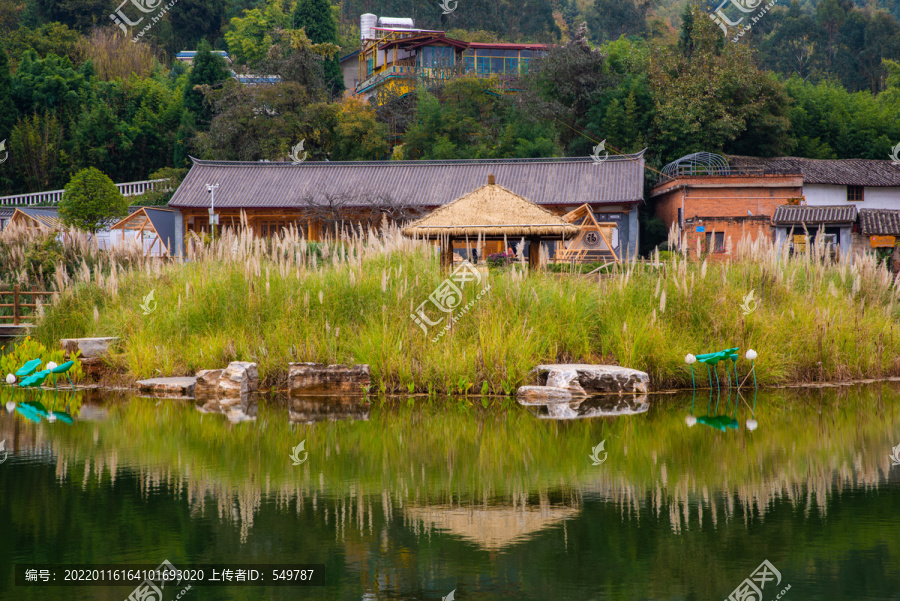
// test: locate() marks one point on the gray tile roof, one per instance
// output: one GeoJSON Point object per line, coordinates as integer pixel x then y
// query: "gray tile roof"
{"type": "Point", "coordinates": [844, 172]}
{"type": "Point", "coordinates": [797, 214]}
{"type": "Point", "coordinates": [879, 222]}
{"type": "Point", "coordinates": [564, 181]}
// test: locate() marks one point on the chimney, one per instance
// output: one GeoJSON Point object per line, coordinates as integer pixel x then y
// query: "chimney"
{"type": "Point", "coordinates": [491, 180]}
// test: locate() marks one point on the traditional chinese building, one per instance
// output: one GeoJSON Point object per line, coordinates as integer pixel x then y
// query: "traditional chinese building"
{"type": "Point", "coordinates": [315, 197]}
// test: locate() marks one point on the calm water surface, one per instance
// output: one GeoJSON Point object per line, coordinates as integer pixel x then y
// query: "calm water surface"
{"type": "Point", "coordinates": [413, 499]}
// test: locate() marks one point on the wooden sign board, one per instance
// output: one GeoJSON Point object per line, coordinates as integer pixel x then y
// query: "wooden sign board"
{"type": "Point", "coordinates": [882, 241]}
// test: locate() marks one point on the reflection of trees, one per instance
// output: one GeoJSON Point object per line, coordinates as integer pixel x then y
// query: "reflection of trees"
{"type": "Point", "coordinates": [435, 465]}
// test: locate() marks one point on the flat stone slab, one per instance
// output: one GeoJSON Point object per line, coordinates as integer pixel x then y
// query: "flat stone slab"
{"type": "Point", "coordinates": [540, 395]}
{"type": "Point", "coordinates": [183, 386]}
{"type": "Point", "coordinates": [89, 347]}
{"type": "Point", "coordinates": [319, 378]}
{"type": "Point", "coordinates": [584, 379]}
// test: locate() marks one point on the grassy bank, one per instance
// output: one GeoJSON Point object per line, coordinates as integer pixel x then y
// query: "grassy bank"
{"type": "Point", "coordinates": [279, 301]}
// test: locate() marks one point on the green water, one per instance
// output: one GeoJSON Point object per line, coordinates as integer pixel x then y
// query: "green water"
{"type": "Point", "coordinates": [413, 499]}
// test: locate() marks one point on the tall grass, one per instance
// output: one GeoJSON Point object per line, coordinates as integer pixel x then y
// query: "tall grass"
{"type": "Point", "coordinates": [349, 300]}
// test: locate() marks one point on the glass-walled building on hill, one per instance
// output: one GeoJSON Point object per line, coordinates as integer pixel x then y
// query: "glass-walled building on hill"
{"type": "Point", "coordinates": [394, 57]}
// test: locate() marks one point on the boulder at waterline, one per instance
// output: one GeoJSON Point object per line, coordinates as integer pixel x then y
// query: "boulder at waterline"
{"type": "Point", "coordinates": [319, 378]}
{"type": "Point", "coordinates": [169, 386]}
{"type": "Point", "coordinates": [583, 379]}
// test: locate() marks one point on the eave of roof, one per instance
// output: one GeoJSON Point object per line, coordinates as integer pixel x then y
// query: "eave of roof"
{"type": "Point", "coordinates": [547, 181]}
{"type": "Point", "coordinates": [799, 214]}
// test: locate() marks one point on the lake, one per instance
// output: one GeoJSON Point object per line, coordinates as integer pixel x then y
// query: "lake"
{"type": "Point", "coordinates": [661, 498]}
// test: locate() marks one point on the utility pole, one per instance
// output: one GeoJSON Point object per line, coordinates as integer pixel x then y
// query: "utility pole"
{"type": "Point", "coordinates": [213, 218]}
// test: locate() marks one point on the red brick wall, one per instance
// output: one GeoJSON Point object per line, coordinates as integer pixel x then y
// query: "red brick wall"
{"type": "Point", "coordinates": [723, 206]}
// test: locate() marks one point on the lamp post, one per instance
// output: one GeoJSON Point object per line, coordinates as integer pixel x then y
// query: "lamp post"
{"type": "Point", "coordinates": [211, 188]}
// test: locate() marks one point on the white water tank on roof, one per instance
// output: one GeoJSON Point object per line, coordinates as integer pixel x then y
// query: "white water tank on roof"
{"type": "Point", "coordinates": [367, 22]}
{"type": "Point", "coordinates": [395, 23]}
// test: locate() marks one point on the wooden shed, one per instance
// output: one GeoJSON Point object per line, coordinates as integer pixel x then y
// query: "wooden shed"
{"type": "Point", "coordinates": [491, 213]}
{"type": "Point", "coordinates": [154, 226]}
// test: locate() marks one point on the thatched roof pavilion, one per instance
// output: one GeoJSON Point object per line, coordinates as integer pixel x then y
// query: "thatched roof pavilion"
{"type": "Point", "coordinates": [490, 212]}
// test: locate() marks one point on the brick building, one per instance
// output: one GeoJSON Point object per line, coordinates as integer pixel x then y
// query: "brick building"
{"type": "Point", "coordinates": [788, 199]}
{"type": "Point", "coordinates": [712, 202]}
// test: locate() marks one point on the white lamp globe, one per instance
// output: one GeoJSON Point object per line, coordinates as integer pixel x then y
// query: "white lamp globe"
{"type": "Point", "coordinates": [10, 406]}
{"type": "Point", "coordinates": [751, 354]}
{"type": "Point", "coordinates": [752, 425]}
{"type": "Point", "coordinates": [10, 379]}
{"type": "Point", "coordinates": [689, 359]}
{"type": "Point", "coordinates": [51, 417]}
{"type": "Point", "coordinates": [690, 420]}
{"type": "Point", "coordinates": [51, 365]}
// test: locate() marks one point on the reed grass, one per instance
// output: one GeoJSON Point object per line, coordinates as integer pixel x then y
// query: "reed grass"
{"type": "Point", "coordinates": [349, 300]}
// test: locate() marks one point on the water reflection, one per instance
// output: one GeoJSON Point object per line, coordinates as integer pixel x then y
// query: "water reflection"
{"type": "Point", "coordinates": [723, 422]}
{"type": "Point", "coordinates": [412, 499]}
{"type": "Point", "coordinates": [607, 405]}
{"type": "Point", "coordinates": [236, 409]}
{"type": "Point", "coordinates": [310, 410]}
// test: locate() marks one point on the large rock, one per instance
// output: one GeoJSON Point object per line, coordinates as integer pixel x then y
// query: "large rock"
{"type": "Point", "coordinates": [539, 395]}
{"type": "Point", "coordinates": [168, 386]}
{"type": "Point", "coordinates": [582, 380]}
{"type": "Point", "coordinates": [207, 383]}
{"type": "Point", "coordinates": [89, 347]}
{"type": "Point", "coordinates": [319, 378]}
{"type": "Point", "coordinates": [240, 377]}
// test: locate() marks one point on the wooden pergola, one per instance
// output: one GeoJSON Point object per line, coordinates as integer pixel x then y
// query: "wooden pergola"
{"type": "Point", "coordinates": [491, 213]}
{"type": "Point", "coordinates": [594, 239]}
{"type": "Point", "coordinates": [157, 221]}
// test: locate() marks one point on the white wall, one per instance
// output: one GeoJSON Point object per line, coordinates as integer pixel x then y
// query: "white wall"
{"type": "Point", "coordinates": [873, 198]}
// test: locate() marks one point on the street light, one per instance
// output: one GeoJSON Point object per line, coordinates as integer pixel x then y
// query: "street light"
{"type": "Point", "coordinates": [213, 220]}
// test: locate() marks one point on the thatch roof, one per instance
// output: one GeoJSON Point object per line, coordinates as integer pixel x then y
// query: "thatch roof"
{"type": "Point", "coordinates": [491, 210]}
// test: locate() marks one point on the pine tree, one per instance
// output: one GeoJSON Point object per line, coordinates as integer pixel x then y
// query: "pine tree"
{"type": "Point", "coordinates": [208, 69]}
{"type": "Point", "coordinates": [317, 18]}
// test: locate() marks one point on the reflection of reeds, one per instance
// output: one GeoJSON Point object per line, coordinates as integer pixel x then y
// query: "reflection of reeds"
{"type": "Point", "coordinates": [811, 446]}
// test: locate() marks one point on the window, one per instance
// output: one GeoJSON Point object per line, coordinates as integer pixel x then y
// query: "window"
{"type": "Point", "coordinates": [854, 193]}
{"type": "Point", "coordinates": [435, 57]}
{"type": "Point", "coordinates": [715, 242]}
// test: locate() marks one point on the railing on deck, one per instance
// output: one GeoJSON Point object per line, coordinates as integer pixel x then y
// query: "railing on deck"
{"type": "Point", "coordinates": [18, 295]}
{"type": "Point", "coordinates": [54, 196]}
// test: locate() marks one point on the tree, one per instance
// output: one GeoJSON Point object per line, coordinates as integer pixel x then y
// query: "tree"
{"type": "Point", "coordinates": [317, 19]}
{"type": "Point", "coordinates": [91, 201]}
{"type": "Point", "coordinates": [610, 19]}
{"type": "Point", "coordinates": [7, 107]}
{"type": "Point", "coordinates": [196, 20]}
{"type": "Point", "coordinates": [208, 70]}
{"type": "Point", "coordinates": [716, 99]}
{"type": "Point", "coordinates": [568, 82]}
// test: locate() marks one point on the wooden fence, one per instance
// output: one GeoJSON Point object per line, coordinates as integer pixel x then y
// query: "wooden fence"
{"type": "Point", "coordinates": [17, 305]}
